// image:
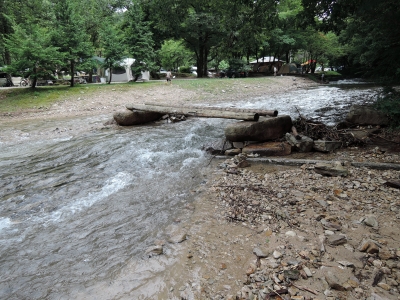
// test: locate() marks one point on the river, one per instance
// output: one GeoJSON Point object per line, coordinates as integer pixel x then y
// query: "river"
{"type": "Point", "coordinates": [78, 212]}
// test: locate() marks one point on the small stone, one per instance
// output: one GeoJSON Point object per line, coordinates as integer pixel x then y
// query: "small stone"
{"type": "Point", "coordinates": [385, 254]}
{"type": "Point", "coordinates": [290, 233]}
{"type": "Point", "coordinates": [307, 271]}
{"type": "Point", "coordinates": [260, 253]}
{"type": "Point", "coordinates": [333, 281]}
{"type": "Point", "coordinates": [370, 221]}
{"type": "Point", "coordinates": [384, 286]}
{"type": "Point", "coordinates": [328, 232]}
{"type": "Point", "coordinates": [336, 240]}
{"type": "Point", "coordinates": [291, 274]}
{"type": "Point", "coordinates": [369, 246]}
{"type": "Point", "coordinates": [277, 254]}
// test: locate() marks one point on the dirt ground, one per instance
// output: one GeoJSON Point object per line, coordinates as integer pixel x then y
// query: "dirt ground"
{"type": "Point", "coordinates": [219, 262]}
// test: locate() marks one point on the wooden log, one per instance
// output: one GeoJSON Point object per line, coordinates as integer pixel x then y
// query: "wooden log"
{"type": "Point", "coordinates": [299, 162]}
{"type": "Point", "coordinates": [260, 112]}
{"type": "Point", "coordinates": [203, 112]}
{"type": "Point", "coordinates": [295, 133]}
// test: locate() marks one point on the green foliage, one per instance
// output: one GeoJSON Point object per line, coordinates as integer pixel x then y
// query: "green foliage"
{"type": "Point", "coordinates": [69, 34]}
{"type": "Point", "coordinates": [174, 54]}
{"type": "Point", "coordinates": [185, 69]}
{"type": "Point", "coordinates": [139, 39]}
{"type": "Point", "coordinates": [389, 102]}
{"type": "Point", "coordinates": [111, 41]}
{"type": "Point", "coordinates": [33, 54]}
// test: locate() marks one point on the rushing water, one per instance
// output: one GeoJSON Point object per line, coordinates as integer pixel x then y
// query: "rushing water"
{"type": "Point", "coordinates": [78, 212]}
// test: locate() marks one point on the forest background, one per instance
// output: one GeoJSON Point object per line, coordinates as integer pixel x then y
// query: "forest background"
{"type": "Point", "coordinates": [360, 37]}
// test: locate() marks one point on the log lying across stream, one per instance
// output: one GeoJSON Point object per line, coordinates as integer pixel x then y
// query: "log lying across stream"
{"type": "Point", "coordinates": [209, 112]}
{"type": "Point", "coordinates": [260, 112]}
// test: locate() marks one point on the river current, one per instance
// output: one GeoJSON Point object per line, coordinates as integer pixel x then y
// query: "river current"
{"type": "Point", "coordinates": [78, 212]}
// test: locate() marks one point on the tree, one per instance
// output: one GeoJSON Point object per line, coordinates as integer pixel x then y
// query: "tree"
{"type": "Point", "coordinates": [113, 48]}
{"type": "Point", "coordinates": [138, 39]}
{"type": "Point", "coordinates": [370, 29]}
{"type": "Point", "coordinates": [32, 53]}
{"type": "Point", "coordinates": [197, 22]}
{"type": "Point", "coordinates": [174, 54]}
{"type": "Point", "coordinates": [69, 35]}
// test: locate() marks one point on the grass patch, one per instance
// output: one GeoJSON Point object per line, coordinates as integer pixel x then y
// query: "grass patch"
{"type": "Point", "coordinates": [17, 99]}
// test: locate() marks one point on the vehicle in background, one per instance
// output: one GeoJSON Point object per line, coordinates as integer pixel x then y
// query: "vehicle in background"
{"type": "Point", "coordinates": [231, 73]}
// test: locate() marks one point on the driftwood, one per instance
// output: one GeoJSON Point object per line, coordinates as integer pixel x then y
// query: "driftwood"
{"type": "Point", "coordinates": [197, 112]}
{"type": "Point", "coordinates": [300, 162]}
{"type": "Point", "coordinates": [260, 112]}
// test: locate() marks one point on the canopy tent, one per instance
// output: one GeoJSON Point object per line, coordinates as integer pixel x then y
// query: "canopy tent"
{"type": "Point", "coordinates": [265, 64]}
{"type": "Point", "coordinates": [124, 72]}
{"type": "Point", "coordinates": [309, 62]}
{"type": "Point", "coordinates": [289, 69]}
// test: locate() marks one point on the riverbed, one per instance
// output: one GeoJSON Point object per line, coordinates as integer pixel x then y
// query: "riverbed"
{"type": "Point", "coordinates": [79, 209]}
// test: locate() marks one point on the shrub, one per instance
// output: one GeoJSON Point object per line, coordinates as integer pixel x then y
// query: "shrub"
{"type": "Point", "coordinates": [184, 69]}
{"type": "Point", "coordinates": [388, 101]}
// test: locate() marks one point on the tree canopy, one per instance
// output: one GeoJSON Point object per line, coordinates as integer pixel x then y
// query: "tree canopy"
{"type": "Point", "coordinates": [360, 35]}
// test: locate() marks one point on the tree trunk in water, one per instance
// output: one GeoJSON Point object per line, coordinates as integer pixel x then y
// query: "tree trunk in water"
{"type": "Point", "coordinates": [198, 112]}
{"type": "Point", "coordinates": [260, 112]}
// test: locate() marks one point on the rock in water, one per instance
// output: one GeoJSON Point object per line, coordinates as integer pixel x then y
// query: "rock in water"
{"type": "Point", "coordinates": [135, 117]}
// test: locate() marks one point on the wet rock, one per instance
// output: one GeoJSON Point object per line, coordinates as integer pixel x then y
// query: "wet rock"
{"type": "Point", "coordinates": [305, 144]}
{"type": "Point", "coordinates": [218, 146]}
{"type": "Point", "coordinates": [264, 130]}
{"type": "Point", "coordinates": [364, 115]}
{"type": "Point", "coordinates": [177, 237]}
{"type": "Point", "coordinates": [331, 169]}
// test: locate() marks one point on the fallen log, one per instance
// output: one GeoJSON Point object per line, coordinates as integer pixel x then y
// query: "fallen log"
{"type": "Point", "coordinates": [300, 162]}
{"type": "Point", "coordinates": [197, 112]}
{"type": "Point", "coordinates": [260, 112]}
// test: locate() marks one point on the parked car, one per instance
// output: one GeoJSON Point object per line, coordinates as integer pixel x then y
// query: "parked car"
{"type": "Point", "coordinates": [231, 73]}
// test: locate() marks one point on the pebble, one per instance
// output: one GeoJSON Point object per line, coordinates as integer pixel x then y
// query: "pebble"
{"type": "Point", "coordinates": [290, 233]}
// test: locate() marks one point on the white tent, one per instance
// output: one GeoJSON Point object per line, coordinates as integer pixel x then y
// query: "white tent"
{"type": "Point", "coordinates": [124, 74]}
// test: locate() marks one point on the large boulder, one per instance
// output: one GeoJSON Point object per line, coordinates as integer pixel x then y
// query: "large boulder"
{"type": "Point", "coordinates": [365, 115]}
{"type": "Point", "coordinates": [135, 117]}
{"type": "Point", "coordinates": [266, 129]}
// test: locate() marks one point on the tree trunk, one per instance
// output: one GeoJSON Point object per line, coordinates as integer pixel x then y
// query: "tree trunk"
{"type": "Point", "coordinates": [72, 64]}
{"type": "Point", "coordinates": [110, 68]}
{"type": "Point", "coordinates": [260, 112]}
{"type": "Point", "coordinates": [198, 112]}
